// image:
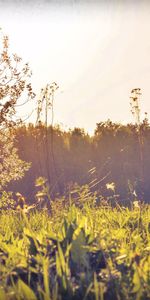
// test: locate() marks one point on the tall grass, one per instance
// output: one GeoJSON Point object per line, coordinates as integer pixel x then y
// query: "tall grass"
{"type": "Point", "coordinates": [80, 253]}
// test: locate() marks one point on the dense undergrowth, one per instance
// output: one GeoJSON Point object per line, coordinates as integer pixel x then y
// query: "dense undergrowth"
{"type": "Point", "coordinates": [75, 252]}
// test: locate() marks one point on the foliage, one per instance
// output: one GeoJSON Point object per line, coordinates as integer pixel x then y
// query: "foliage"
{"type": "Point", "coordinates": [84, 253]}
{"type": "Point", "coordinates": [14, 83]}
{"type": "Point", "coordinates": [6, 200]}
{"type": "Point", "coordinates": [111, 155]}
{"type": "Point", "coordinates": [12, 167]}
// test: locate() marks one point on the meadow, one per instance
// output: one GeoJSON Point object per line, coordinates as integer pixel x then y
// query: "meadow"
{"type": "Point", "coordinates": [75, 252]}
{"type": "Point", "coordinates": [85, 234]}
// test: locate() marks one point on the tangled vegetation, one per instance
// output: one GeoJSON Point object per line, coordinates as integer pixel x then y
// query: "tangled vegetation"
{"type": "Point", "coordinates": [75, 253]}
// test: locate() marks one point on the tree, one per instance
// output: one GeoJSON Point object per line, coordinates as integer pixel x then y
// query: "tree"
{"type": "Point", "coordinates": [14, 84]}
{"type": "Point", "coordinates": [14, 87]}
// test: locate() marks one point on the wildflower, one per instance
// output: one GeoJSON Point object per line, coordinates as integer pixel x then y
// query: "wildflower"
{"type": "Point", "coordinates": [134, 193]}
{"type": "Point", "coordinates": [111, 186]}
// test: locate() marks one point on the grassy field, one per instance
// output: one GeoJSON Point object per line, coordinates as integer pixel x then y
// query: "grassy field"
{"type": "Point", "coordinates": [75, 253]}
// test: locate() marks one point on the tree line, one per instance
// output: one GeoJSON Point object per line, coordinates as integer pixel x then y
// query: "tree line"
{"type": "Point", "coordinates": [116, 153]}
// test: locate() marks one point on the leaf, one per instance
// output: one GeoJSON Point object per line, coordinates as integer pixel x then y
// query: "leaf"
{"type": "Point", "coordinates": [46, 279]}
{"type": "Point", "coordinates": [79, 251]}
{"type": "Point", "coordinates": [61, 257]}
{"type": "Point", "coordinates": [25, 291]}
{"type": "Point", "coordinates": [120, 257]}
{"type": "Point", "coordinates": [136, 282]}
{"type": "Point", "coordinates": [33, 248]}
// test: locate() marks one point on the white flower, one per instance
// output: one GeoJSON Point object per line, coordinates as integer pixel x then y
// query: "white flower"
{"type": "Point", "coordinates": [111, 186]}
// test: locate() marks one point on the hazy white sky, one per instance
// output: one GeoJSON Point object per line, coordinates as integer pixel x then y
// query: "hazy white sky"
{"type": "Point", "coordinates": [96, 51]}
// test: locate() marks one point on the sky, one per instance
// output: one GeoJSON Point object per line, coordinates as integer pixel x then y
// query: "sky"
{"type": "Point", "coordinates": [96, 51]}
